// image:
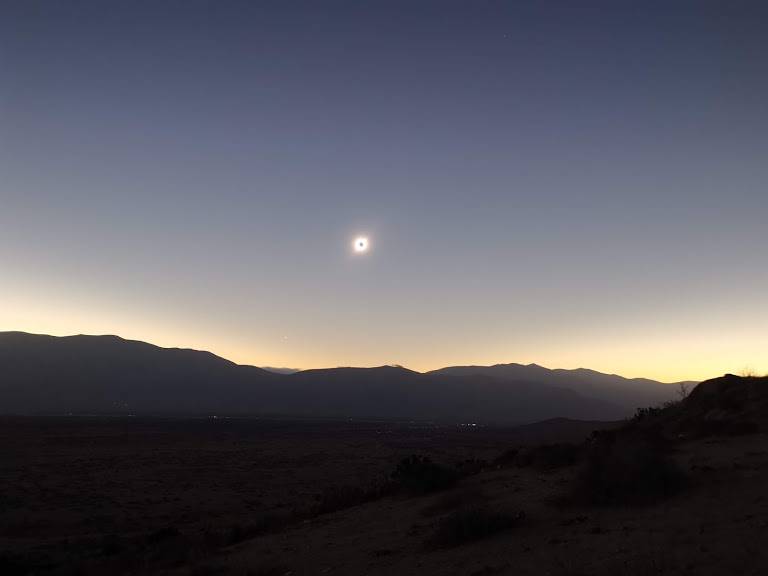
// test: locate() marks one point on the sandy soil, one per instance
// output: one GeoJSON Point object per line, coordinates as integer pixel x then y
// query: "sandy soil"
{"type": "Point", "coordinates": [107, 496]}
{"type": "Point", "coordinates": [718, 526]}
{"type": "Point", "coordinates": [72, 489]}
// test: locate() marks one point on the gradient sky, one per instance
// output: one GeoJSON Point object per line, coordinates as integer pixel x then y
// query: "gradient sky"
{"type": "Point", "coordinates": [567, 183]}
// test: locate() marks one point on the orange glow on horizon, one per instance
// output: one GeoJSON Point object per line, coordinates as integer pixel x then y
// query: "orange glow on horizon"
{"type": "Point", "coordinates": [702, 351]}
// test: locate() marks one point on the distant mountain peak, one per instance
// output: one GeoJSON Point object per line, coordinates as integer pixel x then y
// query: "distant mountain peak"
{"type": "Point", "coordinates": [278, 370]}
{"type": "Point", "coordinates": [96, 373]}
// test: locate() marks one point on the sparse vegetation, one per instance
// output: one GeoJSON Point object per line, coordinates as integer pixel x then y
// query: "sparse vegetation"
{"type": "Point", "coordinates": [666, 410]}
{"type": "Point", "coordinates": [683, 389]}
{"type": "Point", "coordinates": [627, 469]}
{"type": "Point", "coordinates": [749, 372]}
{"type": "Point", "coordinates": [420, 475]}
{"type": "Point", "coordinates": [631, 465]}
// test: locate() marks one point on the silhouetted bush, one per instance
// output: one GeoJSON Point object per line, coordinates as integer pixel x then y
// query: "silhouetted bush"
{"type": "Point", "coordinates": [629, 470]}
{"type": "Point", "coordinates": [650, 413]}
{"type": "Point", "coordinates": [419, 475]}
{"type": "Point", "coordinates": [470, 524]}
{"type": "Point", "coordinates": [646, 413]}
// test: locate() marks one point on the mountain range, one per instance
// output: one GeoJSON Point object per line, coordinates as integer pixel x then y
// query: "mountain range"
{"type": "Point", "coordinates": [108, 374]}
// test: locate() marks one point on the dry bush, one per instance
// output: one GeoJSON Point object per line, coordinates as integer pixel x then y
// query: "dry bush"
{"type": "Point", "coordinates": [419, 475]}
{"type": "Point", "coordinates": [629, 469]}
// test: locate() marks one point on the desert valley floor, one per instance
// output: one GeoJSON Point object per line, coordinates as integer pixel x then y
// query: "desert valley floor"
{"type": "Point", "coordinates": [97, 495]}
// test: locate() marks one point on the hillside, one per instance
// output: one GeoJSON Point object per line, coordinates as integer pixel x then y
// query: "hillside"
{"type": "Point", "coordinates": [628, 393]}
{"type": "Point", "coordinates": [641, 499]}
{"type": "Point", "coordinates": [107, 374]}
{"type": "Point", "coordinates": [730, 405]}
{"type": "Point", "coordinates": [664, 493]}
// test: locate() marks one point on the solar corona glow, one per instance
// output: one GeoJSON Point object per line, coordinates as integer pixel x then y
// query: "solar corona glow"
{"type": "Point", "coordinates": [360, 245]}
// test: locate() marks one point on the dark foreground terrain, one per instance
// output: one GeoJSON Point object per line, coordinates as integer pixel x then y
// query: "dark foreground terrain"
{"type": "Point", "coordinates": [680, 489]}
{"type": "Point", "coordinates": [101, 495]}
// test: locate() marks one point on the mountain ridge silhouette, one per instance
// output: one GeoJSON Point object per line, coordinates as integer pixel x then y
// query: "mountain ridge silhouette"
{"type": "Point", "coordinates": [84, 373]}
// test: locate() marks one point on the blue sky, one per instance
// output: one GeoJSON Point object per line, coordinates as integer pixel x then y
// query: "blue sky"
{"type": "Point", "coordinates": [572, 184]}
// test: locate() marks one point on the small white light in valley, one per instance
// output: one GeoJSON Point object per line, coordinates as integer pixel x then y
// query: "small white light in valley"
{"type": "Point", "coordinates": [360, 244]}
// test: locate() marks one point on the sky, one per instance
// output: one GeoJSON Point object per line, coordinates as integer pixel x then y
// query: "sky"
{"type": "Point", "coordinates": [575, 184]}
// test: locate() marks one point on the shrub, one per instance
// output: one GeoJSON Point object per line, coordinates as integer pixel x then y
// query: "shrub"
{"type": "Point", "coordinates": [667, 409]}
{"type": "Point", "coordinates": [646, 413]}
{"type": "Point", "coordinates": [631, 470]}
{"type": "Point", "coordinates": [470, 524]}
{"type": "Point", "coordinates": [419, 475]}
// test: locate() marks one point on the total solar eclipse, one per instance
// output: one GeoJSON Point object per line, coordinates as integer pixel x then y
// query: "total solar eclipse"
{"type": "Point", "coordinates": [360, 244]}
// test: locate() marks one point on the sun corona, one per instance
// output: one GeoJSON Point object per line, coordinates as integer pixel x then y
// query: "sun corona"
{"type": "Point", "coordinates": [360, 245]}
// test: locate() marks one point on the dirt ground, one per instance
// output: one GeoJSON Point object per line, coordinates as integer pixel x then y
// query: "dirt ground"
{"type": "Point", "coordinates": [77, 490]}
{"type": "Point", "coordinates": [97, 496]}
{"type": "Point", "coordinates": [718, 525]}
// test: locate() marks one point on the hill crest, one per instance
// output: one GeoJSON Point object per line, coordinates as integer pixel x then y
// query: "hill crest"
{"type": "Point", "coordinates": [107, 373]}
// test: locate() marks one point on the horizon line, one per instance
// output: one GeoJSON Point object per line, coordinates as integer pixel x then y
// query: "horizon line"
{"type": "Point", "coordinates": [272, 369]}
